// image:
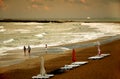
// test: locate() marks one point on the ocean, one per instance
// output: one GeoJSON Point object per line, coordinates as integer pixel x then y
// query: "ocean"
{"type": "Point", "coordinates": [14, 35]}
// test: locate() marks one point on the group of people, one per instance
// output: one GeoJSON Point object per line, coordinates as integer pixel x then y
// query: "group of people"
{"type": "Point", "coordinates": [27, 49]}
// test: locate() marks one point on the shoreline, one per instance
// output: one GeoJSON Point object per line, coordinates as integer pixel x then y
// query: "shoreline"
{"type": "Point", "coordinates": [30, 67]}
{"type": "Point", "coordinates": [36, 52]}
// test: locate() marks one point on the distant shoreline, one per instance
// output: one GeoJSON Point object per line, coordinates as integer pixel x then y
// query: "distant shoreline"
{"type": "Point", "coordinates": [61, 21]}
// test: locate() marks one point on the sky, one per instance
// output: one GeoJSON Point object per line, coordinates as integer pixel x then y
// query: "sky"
{"type": "Point", "coordinates": [35, 9]}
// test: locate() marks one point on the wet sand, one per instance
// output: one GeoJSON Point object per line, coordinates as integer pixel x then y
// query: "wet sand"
{"type": "Point", "coordinates": [107, 68]}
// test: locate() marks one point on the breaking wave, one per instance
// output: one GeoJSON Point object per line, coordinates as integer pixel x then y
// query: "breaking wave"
{"type": "Point", "coordinates": [40, 35]}
{"type": "Point", "coordinates": [8, 41]}
{"type": "Point", "coordinates": [2, 29]}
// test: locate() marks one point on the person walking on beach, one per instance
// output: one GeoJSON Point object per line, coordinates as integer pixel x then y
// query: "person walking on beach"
{"type": "Point", "coordinates": [29, 50]}
{"type": "Point", "coordinates": [24, 48]}
{"type": "Point", "coordinates": [46, 48]}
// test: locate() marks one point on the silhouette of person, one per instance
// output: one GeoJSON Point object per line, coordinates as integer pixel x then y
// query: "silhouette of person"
{"type": "Point", "coordinates": [46, 48]}
{"type": "Point", "coordinates": [29, 50]}
{"type": "Point", "coordinates": [24, 48]}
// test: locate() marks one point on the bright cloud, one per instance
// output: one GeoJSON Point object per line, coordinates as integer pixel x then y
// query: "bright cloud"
{"type": "Point", "coordinates": [83, 1]}
{"type": "Point", "coordinates": [3, 6]}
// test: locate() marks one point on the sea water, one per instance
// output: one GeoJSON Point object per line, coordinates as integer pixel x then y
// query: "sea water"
{"type": "Point", "coordinates": [14, 35]}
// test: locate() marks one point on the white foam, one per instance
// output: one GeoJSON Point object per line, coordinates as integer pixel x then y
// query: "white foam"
{"type": "Point", "coordinates": [55, 38]}
{"type": "Point", "coordinates": [40, 35]}
{"type": "Point", "coordinates": [2, 30]}
{"type": "Point", "coordinates": [1, 53]}
{"type": "Point", "coordinates": [64, 48]}
{"type": "Point", "coordinates": [8, 41]}
{"type": "Point", "coordinates": [92, 35]}
{"type": "Point", "coordinates": [22, 31]}
{"type": "Point", "coordinates": [2, 49]}
{"type": "Point", "coordinates": [109, 29]}
{"type": "Point", "coordinates": [40, 27]}
{"type": "Point", "coordinates": [5, 49]}
{"type": "Point", "coordinates": [55, 43]}
{"type": "Point", "coordinates": [28, 23]}
{"type": "Point", "coordinates": [85, 36]}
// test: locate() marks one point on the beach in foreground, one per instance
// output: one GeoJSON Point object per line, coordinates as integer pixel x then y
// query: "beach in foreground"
{"type": "Point", "coordinates": [107, 68]}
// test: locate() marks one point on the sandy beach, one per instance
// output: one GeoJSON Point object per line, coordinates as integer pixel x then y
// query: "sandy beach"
{"type": "Point", "coordinates": [42, 37]}
{"type": "Point", "coordinates": [107, 68]}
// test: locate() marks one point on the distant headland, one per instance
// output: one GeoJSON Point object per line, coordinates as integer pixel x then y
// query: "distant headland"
{"type": "Point", "coordinates": [62, 20]}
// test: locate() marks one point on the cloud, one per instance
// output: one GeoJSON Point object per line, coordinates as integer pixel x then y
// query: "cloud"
{"type": "Point", "coordinates": [3, 6]}
{"type": "Point", "coordinates": [83, 1]}
{"type": "Point", "coordinates": [41, 4]}
{"type": "Point", "coordinates": [1, 3]}
{"type": "Point", "coordinates": [47, 4]}
{"type": "Point", "coordinates": [75, 1]}
{"type": "Point", "coordinates": [59, 8]}
{"type": "Point", "coordinates": [35, 6]}
{"type": "Point", "coordinates": [37, 1]}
